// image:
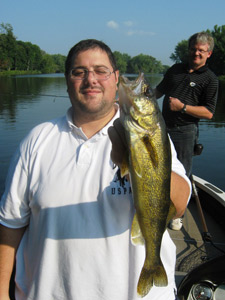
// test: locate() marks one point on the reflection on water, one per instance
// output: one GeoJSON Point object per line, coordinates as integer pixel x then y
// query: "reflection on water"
{"type": "Point", "coordinates": [211, 164]}
{"type": "Point", "coordinates": [219, 117]}
{"type": "Point", "coordinates": [26, 101]}
{"type": "Point", "coordinates": [21, 90]}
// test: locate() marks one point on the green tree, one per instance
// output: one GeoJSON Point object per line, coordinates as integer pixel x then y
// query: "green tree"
{"type": "Point", "coordinates": [181, 52]}
{"type": "Point", "coordinates": [59, 61]}
{"type": "Point", "coordinates": [33, 55]}
{"type": "Point", "coordinates": [144, 63]}
{"type": "Point", "coordinates": [47, 64]}
{"type": "Point", "coordinates": [7, 47]}
{"type": "Point", "coordinates": [21, 56]}
{"type": "Point", "coordinates": [217, 60]}
{"type": "Point", "coordinates": [122, 60]}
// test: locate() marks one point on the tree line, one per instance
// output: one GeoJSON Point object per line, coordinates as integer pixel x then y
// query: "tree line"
{"type": "Point", "coordinates": [25, 56]}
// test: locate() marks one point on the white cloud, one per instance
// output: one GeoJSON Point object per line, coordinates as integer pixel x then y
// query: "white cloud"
{"type": "Point", "coordinates": [112, 24]}
{"type": "Point", "coordinates": [139, 32]}
{"type": "Point", "coordinates": [131, 31]}
{"type": "Point", "coordinates": [128, 23]}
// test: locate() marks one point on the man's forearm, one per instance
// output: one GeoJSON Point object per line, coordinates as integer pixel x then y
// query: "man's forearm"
{"type": "Point", "coordinates": [179, 193]}
{"type": "Point", "coordinates": [200, 112]}
{"type": "Point", "coordinates": [9, 242]}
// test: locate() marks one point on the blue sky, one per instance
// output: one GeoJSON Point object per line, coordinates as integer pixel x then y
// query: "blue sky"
{"type": "Point", "coordinates": [132, 27]}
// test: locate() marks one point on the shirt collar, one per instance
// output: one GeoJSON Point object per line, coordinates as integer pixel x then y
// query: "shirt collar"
{"type": "Point", "coordinates": [103, 131]}
{"type": "Point", "coordinates": [69, 118]}
{"type": "Point", "coordinates": [200, 70]}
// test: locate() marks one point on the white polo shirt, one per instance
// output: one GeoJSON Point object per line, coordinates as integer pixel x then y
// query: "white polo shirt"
{"type": "Point", "coordinates": [77, 245]}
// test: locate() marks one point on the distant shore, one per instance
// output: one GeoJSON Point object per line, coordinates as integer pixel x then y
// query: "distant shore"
{"type": "Point", "coordinates": [15, 72]}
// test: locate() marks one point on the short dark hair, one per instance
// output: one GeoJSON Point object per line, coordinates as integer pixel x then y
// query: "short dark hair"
{"type": "Point", "coordinates": [85, 45]}
{"type": "Point", "coordinates": [202, 37]}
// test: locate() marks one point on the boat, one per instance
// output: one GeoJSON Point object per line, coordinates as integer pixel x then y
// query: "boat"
{"type": "Point", "coordinates": [200, 265]}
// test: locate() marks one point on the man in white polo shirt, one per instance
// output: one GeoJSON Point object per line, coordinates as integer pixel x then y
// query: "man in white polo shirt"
{"type": "Point", "coordinates": [65, 215]}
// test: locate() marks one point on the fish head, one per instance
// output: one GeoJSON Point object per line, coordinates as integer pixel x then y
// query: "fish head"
{"type": "Point", "coordinates": [136, 98]}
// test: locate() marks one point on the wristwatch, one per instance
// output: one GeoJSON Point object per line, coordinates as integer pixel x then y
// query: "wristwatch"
{"type": "Point", "coordinates": [184, 109]}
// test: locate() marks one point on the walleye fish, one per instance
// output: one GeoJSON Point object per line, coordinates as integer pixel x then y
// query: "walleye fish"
{"type": "Point", "coordinates": [149, 166]}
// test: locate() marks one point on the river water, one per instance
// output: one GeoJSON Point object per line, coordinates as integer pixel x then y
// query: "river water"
{"type": "Point", "coordinates": [26, 101]}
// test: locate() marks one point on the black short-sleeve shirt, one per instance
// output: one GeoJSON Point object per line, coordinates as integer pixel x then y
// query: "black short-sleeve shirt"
{"type": "Point", "coordinates": [199, 88]}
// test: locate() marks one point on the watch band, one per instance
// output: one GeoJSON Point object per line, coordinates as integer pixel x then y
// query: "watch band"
{"type": "Point", "coordinates": [184, 109]}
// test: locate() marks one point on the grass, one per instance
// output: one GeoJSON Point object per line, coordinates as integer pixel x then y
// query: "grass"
{"type": "Point", "coordinates": [17, 72]}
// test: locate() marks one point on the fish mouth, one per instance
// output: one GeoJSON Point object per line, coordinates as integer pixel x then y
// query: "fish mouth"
{"type": "Point", "coordinates": [134, 86]}
{"type": "Point", "coordinates": [131, 89]}
{"type": "Point", "coordinates": [128, 89]}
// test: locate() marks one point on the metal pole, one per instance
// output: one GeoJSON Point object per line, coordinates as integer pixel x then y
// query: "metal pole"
{"type": "Point", "coordinates": [205, 234]}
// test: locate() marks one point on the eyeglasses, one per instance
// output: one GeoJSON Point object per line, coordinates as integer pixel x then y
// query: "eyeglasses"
{"type": "Point", "coordinates": [99, 72]}
{"type": "Point", "coordinates": [199, 50]}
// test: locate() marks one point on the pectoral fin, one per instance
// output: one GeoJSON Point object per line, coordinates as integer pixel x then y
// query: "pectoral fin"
{"type": "Point", "coordinates": [136, 234]}
{"type": "Point", "coordinates": [151, 150]}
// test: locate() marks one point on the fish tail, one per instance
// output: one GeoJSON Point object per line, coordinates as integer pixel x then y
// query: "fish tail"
{"type": "Point", "coordinates": [148, 277]}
